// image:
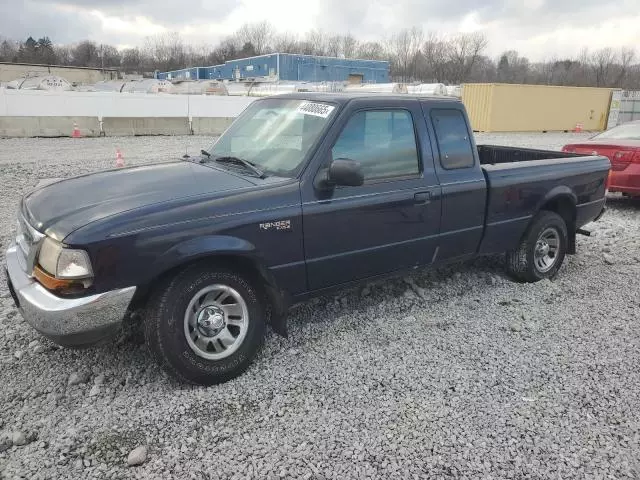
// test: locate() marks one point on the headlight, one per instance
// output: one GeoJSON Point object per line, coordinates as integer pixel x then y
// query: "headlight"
{"type": "Point", "coordinates": [64, 263]}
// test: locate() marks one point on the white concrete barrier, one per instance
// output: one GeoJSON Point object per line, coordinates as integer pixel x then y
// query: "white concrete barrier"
{"type": "Point", "coordinates": [212, 106]}
{"type": "Point", "coordinates": [159, 112]}
{"type": "Point", "coordinates": [36, 103]}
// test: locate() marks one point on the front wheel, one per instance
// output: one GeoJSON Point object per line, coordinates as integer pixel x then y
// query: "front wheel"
{"type": "Point", "coordinates": [205, 325]}
{"type": "Point", "coordinates": [542, 249]}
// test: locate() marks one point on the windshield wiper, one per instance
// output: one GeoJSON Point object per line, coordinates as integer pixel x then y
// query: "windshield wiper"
{"type": "Point", "coordinates": [235, 160]}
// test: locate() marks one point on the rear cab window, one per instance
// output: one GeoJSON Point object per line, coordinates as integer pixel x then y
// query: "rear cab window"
{"type": "Point", "coordinates": [452, 137]}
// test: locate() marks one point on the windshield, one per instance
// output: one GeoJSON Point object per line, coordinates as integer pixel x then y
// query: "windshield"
{"type": "Point", "coordinates": [627, 131]}
{"type": "Point", "coordinates": [275, 134]}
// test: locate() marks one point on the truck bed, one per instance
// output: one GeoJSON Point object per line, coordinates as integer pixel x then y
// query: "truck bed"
{"type": "Point", "coordinates": [521, 181]}
{"type": "Point", "coordinates": [495, 154]}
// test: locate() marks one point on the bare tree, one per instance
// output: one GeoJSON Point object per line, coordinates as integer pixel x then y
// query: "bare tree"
{"type": "Point", "coordinates": [166, 50]}
{"type": "Point", "coordinates": [371, 51]}
{"type": "Point", "coordinates": [512, 68]}
{"type": "Point", "coordinates": [110, 56]}
{"type": "Point", "coordinates": [349, 46]}
{"type": "Point", "coordinates": [464, 52]}
{"type": "Point", "coordinates": [257, 34]}
{"type": "Point", "coordinates": [8, 51]}
{"type": "Point", "coordinates": [286, 43]}
{"type": "Point", "coordinates": [333, 46]}
{"type": "Point", "coordinates": [131, 60]}
{"type": "Point", "coordinates": [601, 63]}
{"type": "Point", "coordinates": [546, 71]}
{"type": "Point", "coordinates": [625, 58]}
{"type": "Point", "coordinates": [86, 54]}
{"type": "Point", "coordinates": [64, 54]}
{"type": "Point", "coordinates": [315, 43]}
{"type": "Point", "coordinates": [225, 51]}
{"type": "Point", "coordinates": [405, 52]}
{"type": "Point", "coordinates": [435, 53]}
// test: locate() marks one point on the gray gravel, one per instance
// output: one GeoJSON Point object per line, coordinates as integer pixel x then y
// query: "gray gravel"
{"type": "Point", "coordinates": [456, 373]}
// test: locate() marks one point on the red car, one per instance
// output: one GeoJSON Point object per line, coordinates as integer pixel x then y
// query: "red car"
{"type": "Point", "coordinates": [622, 145]}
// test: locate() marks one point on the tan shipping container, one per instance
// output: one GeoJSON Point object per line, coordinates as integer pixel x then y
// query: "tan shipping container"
{"type": "Point", "coordinates": [501, 107]}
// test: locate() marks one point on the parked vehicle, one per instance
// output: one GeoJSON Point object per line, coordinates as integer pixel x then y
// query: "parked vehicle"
{"type": "Point", "coordinates": [304, 194]}
{"type": "Point", "coordinates": [621, 145]}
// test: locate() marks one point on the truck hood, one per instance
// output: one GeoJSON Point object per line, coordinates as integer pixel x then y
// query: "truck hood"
{"type": "Point", "coordinates": [60, 208]}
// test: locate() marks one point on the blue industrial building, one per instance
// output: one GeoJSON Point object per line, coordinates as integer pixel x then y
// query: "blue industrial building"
{"type": "Point", "coordinates": [287, 66]}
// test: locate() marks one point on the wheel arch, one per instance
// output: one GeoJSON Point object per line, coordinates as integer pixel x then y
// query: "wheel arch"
{"type": "Point", "coordinates": [563, 201]}
{"type": "Point", "coordinates": [223, 252]}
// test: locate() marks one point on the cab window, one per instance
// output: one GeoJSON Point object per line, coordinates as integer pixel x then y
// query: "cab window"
{"type": "Point", "coordinates": [383, 141]}
{"type": "Point", "coordinates": [453, 139]}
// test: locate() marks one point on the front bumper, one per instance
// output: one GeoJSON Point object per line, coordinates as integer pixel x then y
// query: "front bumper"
{"type": "Point", "coordinates": [66, 321]}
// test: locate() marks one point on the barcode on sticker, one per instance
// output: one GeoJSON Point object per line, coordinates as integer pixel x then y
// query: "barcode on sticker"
{"type": "Point", "coordinates": [317, 109]}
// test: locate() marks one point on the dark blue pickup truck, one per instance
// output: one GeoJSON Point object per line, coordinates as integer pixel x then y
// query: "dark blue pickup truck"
{"type": "Point", "coordinates": [303, 194]}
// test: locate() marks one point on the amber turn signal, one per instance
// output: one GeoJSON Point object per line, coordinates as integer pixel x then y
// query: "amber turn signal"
{"type": "Point", "coordinates": [58, 285]}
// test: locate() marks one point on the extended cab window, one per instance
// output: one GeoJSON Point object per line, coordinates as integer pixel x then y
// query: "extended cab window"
{"type": "Point", "coordinates": [453, 139]}
{"type": "Point", "coordinates": [383, 141]}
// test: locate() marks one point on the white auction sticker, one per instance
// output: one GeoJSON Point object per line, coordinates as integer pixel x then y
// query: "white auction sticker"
{"type": "Point", "coordinates": [316, 109]}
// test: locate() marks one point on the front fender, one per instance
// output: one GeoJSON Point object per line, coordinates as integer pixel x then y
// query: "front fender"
{"type": "Point", "coordinates": [204, 246]}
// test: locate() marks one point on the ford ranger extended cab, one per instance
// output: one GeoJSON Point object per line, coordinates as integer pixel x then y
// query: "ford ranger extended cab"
{"type": "Point", "coordinates": [303, 194]}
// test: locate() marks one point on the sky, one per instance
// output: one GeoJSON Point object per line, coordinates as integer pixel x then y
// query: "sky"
{"type": "Point", "coordinates": [539, 29]}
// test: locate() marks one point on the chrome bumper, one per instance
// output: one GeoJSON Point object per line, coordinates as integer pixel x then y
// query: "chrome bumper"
{"type": "Point", "coordinates": [66, 321]}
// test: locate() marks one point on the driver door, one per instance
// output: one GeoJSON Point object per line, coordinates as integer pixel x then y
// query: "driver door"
{"type": "Point", "coordinates": [389, 223]}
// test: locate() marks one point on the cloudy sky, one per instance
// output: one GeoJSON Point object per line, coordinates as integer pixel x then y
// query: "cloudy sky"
{"type": "Point", "coordinates": [537, 28]}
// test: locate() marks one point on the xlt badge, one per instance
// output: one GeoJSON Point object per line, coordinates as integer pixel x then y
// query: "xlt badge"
{"type": "Point", "coordinates": [281, 225]}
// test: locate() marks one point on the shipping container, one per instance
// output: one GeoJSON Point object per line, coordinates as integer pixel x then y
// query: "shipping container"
{"type": "Point", "coordinates": [498, 107]}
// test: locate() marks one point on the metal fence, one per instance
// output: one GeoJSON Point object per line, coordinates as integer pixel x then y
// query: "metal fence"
{"type": "Point", "coordinates": [629, 106]}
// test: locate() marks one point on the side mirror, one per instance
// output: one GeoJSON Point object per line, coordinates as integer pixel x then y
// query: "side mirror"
{"type": "Point", "coordinates": [342, 171]}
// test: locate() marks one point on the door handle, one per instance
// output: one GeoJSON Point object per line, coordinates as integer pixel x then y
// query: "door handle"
{"type": "Point", "coordinates": [421, 198]}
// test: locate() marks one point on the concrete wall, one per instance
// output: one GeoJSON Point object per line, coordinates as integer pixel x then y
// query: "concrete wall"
{"type": "Point", "coordinates": [12, 71]}
{"type": "Point", "coordinates": [496, 107]}
{"type": "Point", "coordinates": [210, 126]}
{"type": "Point", "coordinates": [126, 126]}
{"type": "Point", "coordinates": [51, 114]}
{"type": "Point", "coordinates": [48, 126]}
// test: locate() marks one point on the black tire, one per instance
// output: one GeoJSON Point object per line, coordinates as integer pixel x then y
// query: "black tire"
{"type": "Point", "coordinates": [521, 262]}
{"type": "Point", "coordinates": [164, 326]}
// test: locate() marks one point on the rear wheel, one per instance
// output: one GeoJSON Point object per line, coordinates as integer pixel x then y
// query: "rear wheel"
{"type": "Point", "coordinates": [542, 249]}
{"type": "Point", "coordinates": [204, 326]}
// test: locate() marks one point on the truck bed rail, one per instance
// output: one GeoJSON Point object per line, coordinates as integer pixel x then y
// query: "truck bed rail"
{"type": "Point", "coordinates": [493, 154]}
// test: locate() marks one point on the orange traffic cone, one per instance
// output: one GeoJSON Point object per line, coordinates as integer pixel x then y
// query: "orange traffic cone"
{"type": "Point", "coordinates": [578, 128]}
{"type": "Point", "coordinates": [119, 159]}
{"type": "Point", "coordinates": [76, 131]}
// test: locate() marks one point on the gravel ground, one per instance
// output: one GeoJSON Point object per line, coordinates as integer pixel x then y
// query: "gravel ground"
{"type": "Point", "coordinates": [454, 373]}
